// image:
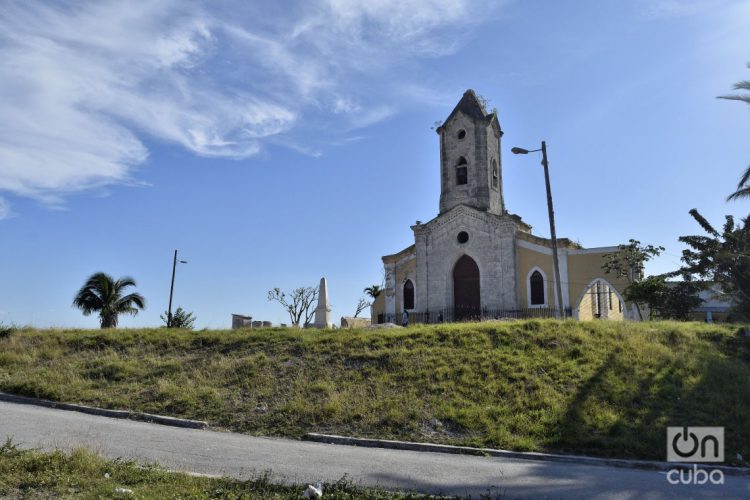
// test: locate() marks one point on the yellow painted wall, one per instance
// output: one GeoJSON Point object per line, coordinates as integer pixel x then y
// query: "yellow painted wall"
{"type": "Point", "coordinates": [585, 307]}
{"type": "Point", "coordinates": [526, 260]}
{"type": "Point", "coordinates": [609, 305]}
{"type": "Point", "coordinates": [582, 270]}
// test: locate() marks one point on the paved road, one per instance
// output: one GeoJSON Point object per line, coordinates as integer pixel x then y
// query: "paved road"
{"type": "Point", "coordinates": [242, 456]}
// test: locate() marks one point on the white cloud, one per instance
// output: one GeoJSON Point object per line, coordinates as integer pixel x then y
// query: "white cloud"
{"type": "Point", "coordinates": [4, 209]}
{"type": "Point", "coordinates": [80, 87]}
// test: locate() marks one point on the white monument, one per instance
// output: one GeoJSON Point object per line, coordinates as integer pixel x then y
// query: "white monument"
{"type": "Point", "coordinates": [323, 311]}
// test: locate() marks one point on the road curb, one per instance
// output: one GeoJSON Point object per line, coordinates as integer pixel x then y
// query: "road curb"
{"type": "Point", "coordinates": [522, 455]}
{"type": "Point", "coordinates": [102, 412]}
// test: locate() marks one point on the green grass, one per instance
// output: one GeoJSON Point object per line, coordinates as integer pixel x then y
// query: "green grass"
{"type": "Point", "coordinates": [81, 474]}
{"type": "Point", "coordinates": [597, 388]}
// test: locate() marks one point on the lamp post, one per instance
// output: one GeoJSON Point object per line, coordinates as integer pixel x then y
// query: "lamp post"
{"type": "Point", "coordinates": [171, 289]}
{"type": "Point", "coordinates": [553, 236]}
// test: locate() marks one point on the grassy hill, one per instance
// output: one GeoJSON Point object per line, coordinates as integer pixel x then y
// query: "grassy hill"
{"type": "Point", "coordinates": [599, 388]}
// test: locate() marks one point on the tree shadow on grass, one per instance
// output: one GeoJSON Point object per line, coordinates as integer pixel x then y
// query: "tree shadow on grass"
{"type": "Point", "coordinates": [623, 409]}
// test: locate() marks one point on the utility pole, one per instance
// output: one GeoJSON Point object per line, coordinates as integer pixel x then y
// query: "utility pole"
{"type": "Point", "coordinates": [171, 289]}
{"type": "Point", "coordinates": [553, 235]}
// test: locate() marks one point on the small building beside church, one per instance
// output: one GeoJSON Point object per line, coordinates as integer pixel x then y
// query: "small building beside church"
{"type": "Point", "coordinates": [476, 260]}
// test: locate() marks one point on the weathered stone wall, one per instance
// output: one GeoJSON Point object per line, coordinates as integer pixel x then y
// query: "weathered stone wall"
{"type": "Point", "coordinates": [352, 322]}
{"type": "Point", "coordinates": [406, 269]}
{"type": "Point", "coordinates": [398, 268]}
{"type": "Point", "coordinates": [479, 147]}
{"type": "Point", "coordinates": [240, 321]}
{"type": "Point", "coordinates": [491, 245]}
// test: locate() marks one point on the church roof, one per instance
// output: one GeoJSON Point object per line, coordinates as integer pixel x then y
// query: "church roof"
{"type": "Point", "coordinates": [411, 249]}
{"type": "Point", "coordinates": [471, 106]}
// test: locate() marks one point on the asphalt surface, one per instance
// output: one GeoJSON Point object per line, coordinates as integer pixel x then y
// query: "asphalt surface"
{"type": "Point", "coordinates": [299, 462]}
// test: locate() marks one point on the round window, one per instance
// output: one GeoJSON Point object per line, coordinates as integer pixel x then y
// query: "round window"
{"type": "Point", "coordinates": [461, 134]}
{"type": "Point", "coordinates": [463, 237]}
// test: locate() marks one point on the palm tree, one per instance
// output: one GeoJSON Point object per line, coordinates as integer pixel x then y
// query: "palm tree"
{"type": "Point", "coordinates": [373, 291]}
{"type": "Point", "coordinates": [103, 294]}
{"type": "Point", "coordinates": [743, 187]}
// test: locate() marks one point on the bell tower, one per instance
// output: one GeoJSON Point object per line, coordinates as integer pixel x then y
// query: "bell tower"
{"type": "Point", "coordinates": [470, 166]}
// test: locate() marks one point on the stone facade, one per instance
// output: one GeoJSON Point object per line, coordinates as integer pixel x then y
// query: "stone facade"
{"type": "Point", "coordinates": [475, 252]}
{"type": "Point", "coordinates": [352, 322]}
{"type": "Point", "coordinates": [471, 137]}
{"type": "Point", "coordinates": [490, 243]}
{"type": "Point", "coordinates": [241, 321]}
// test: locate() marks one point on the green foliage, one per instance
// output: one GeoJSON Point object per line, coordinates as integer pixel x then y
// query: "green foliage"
{"type": "Point", "coordinates": [81, 474]}
{"type": "Point", "coordinates": [5, 331]}
{"type": "Point", "coordinates": [743, 186]}
{"type": "Point", "coordinates": [629, 260]}
{"type": "Point", "coordinates": [681, 298]}
{"type": "Point", "coordinates": [628, 263]}
{"type": "Point", "coordinates": [602, 388]}
{"type": "Point", "coordinates": [373, 291]}
{"type": "Point", "coordinates": [722, 257]}
{"type": "Point", "coordinates": [104, 295]}
{"type": "Point", "coordinates": [483, 101]}
{"type": "Point", "coordinates": [180, 319]}
{"type": "Point", "coordinates": [667, 300]}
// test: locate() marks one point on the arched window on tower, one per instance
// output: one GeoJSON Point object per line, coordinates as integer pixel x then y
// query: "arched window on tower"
{"type": "Point", "coordinates": [536, 287]}
{"type": "Point", "coordinates": [462, 172]}
{"type": "Point", "coordinates": [495, 175]}
{"type": "Point", "coordinates": [408, 295]}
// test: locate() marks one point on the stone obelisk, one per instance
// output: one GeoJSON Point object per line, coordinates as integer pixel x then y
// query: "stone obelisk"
{"type": "Point", "coordinates": [323, 311]}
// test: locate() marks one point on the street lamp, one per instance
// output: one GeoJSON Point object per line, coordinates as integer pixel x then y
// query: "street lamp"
{"type": "Point", "coordinates": [171, 289]}
{"type": "Point", "coordinates": [553, 237]}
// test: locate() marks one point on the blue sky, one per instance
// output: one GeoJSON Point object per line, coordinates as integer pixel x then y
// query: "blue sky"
{"type": "Point", "coordinates": [277, 144]}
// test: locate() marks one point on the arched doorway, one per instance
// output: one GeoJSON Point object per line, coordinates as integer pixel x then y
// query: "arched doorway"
{"type": "Point", "coordinates": [466, 302]}
{"type": "Point", "coordinates": [408, 295]}
{"type": "Point", "coordinates": [600, 300]}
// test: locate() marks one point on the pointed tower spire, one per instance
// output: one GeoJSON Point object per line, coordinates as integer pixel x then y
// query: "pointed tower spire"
{"type": "Point", "coordinates": [470, 167]}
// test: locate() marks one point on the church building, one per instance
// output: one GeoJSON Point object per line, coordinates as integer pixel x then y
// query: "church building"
{"type": "Point", "coordinates": [476, 260]}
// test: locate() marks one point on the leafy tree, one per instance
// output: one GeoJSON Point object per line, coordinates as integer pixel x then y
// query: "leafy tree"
{"type": "Point", "coordinates": [743, 187]}
{"type": "Point", "coordinates": [628, 263]}
{"type": "Point", "coordinates": [648, 292]}
{"type": "Point", "coordinates": [669, 300]}
{"type": "Point", "coordinates": [298, 304]}
{"type": "Point", "coordinates": [681, 298]}
{"type": "Point", "coordinates": [104, 295]}
{"type": "Point", "coordinates": [722, 257]}
{"type": "Point", "coordinates": [180, 319]}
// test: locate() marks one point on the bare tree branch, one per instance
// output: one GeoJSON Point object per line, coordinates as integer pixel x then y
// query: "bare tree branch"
{"type": "Point", "coordinates": [362, 304]}
{"type": "Point", "coordinates": [297, 304]}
